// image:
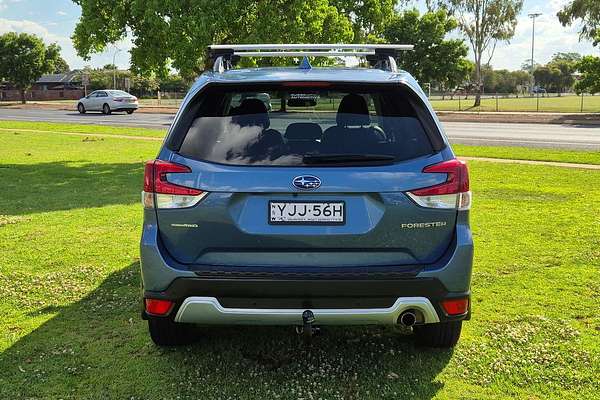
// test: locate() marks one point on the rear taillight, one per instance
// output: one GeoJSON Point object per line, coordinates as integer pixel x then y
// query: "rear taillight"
{"type": "Point", "coordinates": [453, 193]}
{"type": "Point", "coordinates": [455, 306]}
{"type": "Point", "coordinates": [158, 307]}
{"type": "Point", "coordinates": [166, 194]}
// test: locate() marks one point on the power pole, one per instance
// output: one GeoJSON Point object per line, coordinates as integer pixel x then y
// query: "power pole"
{"type": "Point", "coordinates": [533, 16]}
{"type": "Point", "coordinates": [115, 68]}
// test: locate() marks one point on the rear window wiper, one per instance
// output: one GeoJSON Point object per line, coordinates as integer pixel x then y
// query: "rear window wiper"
{"type": "Point", "coordinates": [347, 159]}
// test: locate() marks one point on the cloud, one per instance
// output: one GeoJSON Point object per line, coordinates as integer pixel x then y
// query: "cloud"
{"type": "Point", "coordinates": [4, 3]}
{"type": "Point", "coordinates": [68, 53]}
{"type": "Point", "coordinates": [61, 13]}
{"type": "Point", "coordinates": [67, 50]}
{"type": "Point", "coordinates": [7, 25]}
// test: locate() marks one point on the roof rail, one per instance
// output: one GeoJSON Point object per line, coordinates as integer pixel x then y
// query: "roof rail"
{"type": "Point", "coordinates": [380, 56]}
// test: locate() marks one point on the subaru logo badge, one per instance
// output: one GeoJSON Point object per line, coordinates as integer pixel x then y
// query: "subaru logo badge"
{"type": "Point", "coordinates": [306, 182]}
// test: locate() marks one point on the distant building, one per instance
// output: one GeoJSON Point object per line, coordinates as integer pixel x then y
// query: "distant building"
{"type": "Point", "coordinates": [65, 86]}
{"type": "Point", "coordinates": [70, 80]}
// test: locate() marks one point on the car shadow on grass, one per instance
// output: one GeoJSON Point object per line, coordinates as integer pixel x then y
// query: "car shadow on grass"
{"type": "Point", "coordinates": [60, 185]}
{"type": "Point", "coordinates": [98, 347]}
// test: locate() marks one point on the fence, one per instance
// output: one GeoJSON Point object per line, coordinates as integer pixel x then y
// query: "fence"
{"type": "Point", "coordinates": [41, 95]}
{"type": "Point", "coordinates": [540, 102]}
{"type": "Point", "coordinates": [490, 102]}
{"type": "Point", "coordinates": [164, 99]}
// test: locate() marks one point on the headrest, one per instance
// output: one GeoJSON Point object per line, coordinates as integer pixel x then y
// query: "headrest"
{"type": "Point", "coordinates": [303, 131]}
{"type": "Point", "coordinates": [251, 112]}
{"type": "Point", "coordinates": [353, 111]}
{"type": "Point", "coordinates": [270, 138]}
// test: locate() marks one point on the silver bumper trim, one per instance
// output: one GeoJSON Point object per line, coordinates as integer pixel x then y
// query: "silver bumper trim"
{"type": "Point", "coordinates": [208, 310]}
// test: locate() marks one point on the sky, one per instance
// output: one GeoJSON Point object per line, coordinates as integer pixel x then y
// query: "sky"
{"type": "Point", "coordinates": [55, 20]}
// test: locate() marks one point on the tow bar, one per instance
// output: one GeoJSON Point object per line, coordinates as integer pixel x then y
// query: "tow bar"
{"type": "Point", "coordinates": [307, 330]}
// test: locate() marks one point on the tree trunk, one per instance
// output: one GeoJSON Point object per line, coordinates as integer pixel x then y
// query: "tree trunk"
{"type": "Point", "coordinates": [23, 100]}
{"type": "Point", "coordinates": [478, 82]}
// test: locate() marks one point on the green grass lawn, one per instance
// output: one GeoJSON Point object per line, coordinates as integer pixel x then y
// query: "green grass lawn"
{"type": "Point", "coordinates": [528, 153]}
{"type": "Point", "coordinates": [80, 128]}
{"type": "Point", "coordinates": [547, 104]}
{"type": "Point", "coordinates": [523, 153]}
{"type": "Point", "coordinates": [70, 328]}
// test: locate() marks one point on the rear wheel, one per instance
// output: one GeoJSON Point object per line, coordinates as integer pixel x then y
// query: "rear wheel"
{"type": "Point", "coordinates": [106, 109]}
{"type": "Point", "coordinates": [129, 111]}
{"type": "Point", "coordinates": [81, 108]}
{"type": "Point", "coordinates": [165, 332]}
{"type": "Point", "coordinates": [443, 334]}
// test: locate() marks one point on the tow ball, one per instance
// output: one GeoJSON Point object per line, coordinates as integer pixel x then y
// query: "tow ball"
{"type": "Point", "coordinates": [307, 330]}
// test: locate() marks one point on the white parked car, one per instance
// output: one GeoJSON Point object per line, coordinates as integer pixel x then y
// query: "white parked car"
{"type": "Point", "coordinates": [107, 101]}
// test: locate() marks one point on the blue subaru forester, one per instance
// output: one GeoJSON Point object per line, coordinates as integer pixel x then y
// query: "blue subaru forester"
{"type": "Point", "coordinates": [306, 196]}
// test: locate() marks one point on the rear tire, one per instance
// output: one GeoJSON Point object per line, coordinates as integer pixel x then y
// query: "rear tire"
{"type": "Point", "coordinates": [81, 108]}
{"type": "Point", "coordinates": [442, 335]}
{"type": "Point", "coordinates": [129, 111]}
{"type": "Point", "coordinates": [165, 332]}
{"type": "Point", "coordinates": [106, 109]}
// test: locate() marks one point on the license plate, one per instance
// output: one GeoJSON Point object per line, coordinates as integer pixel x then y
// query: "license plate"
{"type": "Point", "coordinates": [307, 212]}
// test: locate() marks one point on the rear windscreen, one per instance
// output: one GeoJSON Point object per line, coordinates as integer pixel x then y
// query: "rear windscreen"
{"type": "Point", "coordinates": [292, 126]}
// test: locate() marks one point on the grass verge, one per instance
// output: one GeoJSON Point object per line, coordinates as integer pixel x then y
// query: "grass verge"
{"type": "Point", "coordinates": [80, 128]}
{"type": "Point", "coordinates": [512, 152]}
{"type": "Point", "coordinates": [69, 282]}
{"type": "Point", "coordinates": [528, 153]}
{"type": "Point", "coordinates": [568, 104]}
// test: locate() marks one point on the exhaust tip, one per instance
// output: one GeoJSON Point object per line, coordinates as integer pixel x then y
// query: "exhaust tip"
{"type": "Point", "coordinates": [408, 318]}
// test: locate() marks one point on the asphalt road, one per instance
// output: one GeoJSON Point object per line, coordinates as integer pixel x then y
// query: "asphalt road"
{"type": "Point", "coordinates": [583, 137]}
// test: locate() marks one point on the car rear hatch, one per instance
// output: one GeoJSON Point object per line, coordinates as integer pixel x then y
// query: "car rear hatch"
{"type": "Point", "coordinates": [316, 184]}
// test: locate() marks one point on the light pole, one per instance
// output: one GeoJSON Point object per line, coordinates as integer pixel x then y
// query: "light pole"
{"type": "Point", "coordinates": [533, 16]}
{"type": "Point", "coordinates": [115, 68]}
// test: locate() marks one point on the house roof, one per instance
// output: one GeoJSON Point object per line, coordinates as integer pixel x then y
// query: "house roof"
{"type": "Point", "coordinates": [72, 76]}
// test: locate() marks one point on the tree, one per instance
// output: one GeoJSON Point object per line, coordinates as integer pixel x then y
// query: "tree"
{"type": "Point", "coordinates": [175, 33]}
{"type": "Point", "coordinates": [60, 66]}
{"type": "Point", "coordinates": [174, 83]}
{"type": "Point", "coordinates": [570, 57]}
{"type": "Point", "coordinates": [434, 59]}
{"type": "Point", "coordinates": [589, 67]}
{"type": "Point", "coordinates": [557, 74]}
{"type": "Point", "coordinates": [522, 80]}
{"type": "Point", "coordinates": [144, 84]}
{"type": "Point", "coordinates": [485, 22]}
{"type": "Point", "coordinates": [24, 58]}
{"type": "Point", "coordinates": [526, 66]}
{"type": "Point", "coordinates": [588, 12]}
{"type": "Point", "coordinates": [368, 17]}
{"type": "Point", "coordinates": [547, 77]}
{"type": "Point", "coordinates": [564, 65]}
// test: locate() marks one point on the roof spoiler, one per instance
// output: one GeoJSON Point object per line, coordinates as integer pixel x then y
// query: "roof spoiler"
{"type": "Point", "coordinates": [381, 56]}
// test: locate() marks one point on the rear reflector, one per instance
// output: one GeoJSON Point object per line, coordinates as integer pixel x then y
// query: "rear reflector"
{"type": "Point", "coordinates": [455, 306]}
{"type": "Point", "coordinates": [453, 193]}
{"type": "Point", "coordinates": [167, 194]}
{"type": "Point", "coordinates": [158, 307]}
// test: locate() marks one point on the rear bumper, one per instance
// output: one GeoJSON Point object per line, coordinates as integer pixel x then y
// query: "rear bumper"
{"type": "Point", "coordinates": [282, 301]}
{"type": "Point", "coordinates": [125, 107]}
{"type": "Point", "coordinates": [208, 310]}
